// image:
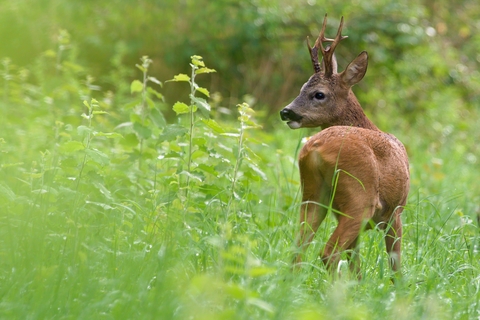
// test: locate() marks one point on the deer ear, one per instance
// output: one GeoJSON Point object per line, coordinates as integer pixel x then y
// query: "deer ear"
{"type": "Point", "coordinates": [355, 70]}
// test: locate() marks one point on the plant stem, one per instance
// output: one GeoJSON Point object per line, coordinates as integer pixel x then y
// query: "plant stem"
{"type": "Point", "coordinates": [87, 146]}
{"type": "Point", "coordinates": [237, 165]}
{"type": "Point", "coordinates": [143, 108]}
{"type": "Point", "coordinates": [192, 123]}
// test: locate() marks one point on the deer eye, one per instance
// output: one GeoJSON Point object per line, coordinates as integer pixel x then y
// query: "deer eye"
{"type": "Point", "coordinates": [319, 95]}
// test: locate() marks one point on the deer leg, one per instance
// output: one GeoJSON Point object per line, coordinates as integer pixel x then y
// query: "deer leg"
{"type": "Point", "coordinates": [356, 202]}
{"type": "Point", "coordinates": [311, 214]}
{"type": "Point", "coordinates": [393, 241]}
{"type": "Point", "coordinates": [344, 237]}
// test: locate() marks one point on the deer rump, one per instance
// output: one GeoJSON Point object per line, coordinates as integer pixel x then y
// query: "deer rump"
{"type": "Point", "coordinates": [364, 175]}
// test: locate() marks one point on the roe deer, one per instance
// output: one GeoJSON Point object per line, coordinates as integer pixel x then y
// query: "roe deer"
{"type": "Point", "coordinates": [352, 165]}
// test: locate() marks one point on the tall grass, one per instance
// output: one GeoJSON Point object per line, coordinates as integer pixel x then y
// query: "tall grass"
{"type": "Point", "coordinates": [110, 211]}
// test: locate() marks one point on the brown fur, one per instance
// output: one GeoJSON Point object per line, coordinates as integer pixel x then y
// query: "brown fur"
{"type": "Point", "coordinates": [372, 167]}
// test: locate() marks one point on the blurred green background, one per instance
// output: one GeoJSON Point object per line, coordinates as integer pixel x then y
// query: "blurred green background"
{"type": "Point", "coordinates": [423, 54]}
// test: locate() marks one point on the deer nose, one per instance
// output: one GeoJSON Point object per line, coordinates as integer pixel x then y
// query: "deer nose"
{"type": "Point", "coordinates": [284, 114]}
{"type": "Point", "coordinates": [287, 114]}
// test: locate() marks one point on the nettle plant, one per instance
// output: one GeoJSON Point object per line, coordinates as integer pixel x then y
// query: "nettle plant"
{"type": "Point", "coordinates": [209, 155]}
{"type": "Point", "coordinates": [146, 119]}
{"type": "Point", "coordinates": [211, 169]}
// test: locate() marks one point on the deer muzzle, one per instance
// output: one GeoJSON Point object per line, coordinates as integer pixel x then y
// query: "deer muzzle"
{"type": "Point", "coordinates": [293, 119]}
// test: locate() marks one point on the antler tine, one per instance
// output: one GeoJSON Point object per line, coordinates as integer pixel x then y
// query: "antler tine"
{"type": "Point", "coordinates": [318, 45]}
{"type": "Point", "coordinates": [327, 53]}
{"type": "Point", "coordinates": [314, 55]}
{"type": "Point", "coordinates": [338, 37]}
{"type": "Point", "coordinates": [321, 37]}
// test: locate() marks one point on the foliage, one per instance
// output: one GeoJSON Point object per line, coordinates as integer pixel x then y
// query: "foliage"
{"type": "Point", "coordinates": [120, 202]}
{"type": "Point", "coordinates": [261, 50]}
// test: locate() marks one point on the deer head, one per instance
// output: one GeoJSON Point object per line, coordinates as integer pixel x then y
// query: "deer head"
{"type": "Point", "coordinates": [327, 99]}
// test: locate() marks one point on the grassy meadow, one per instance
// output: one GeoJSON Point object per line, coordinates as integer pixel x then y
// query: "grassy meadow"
{"type": "Point", "coordinates": [118, 203]}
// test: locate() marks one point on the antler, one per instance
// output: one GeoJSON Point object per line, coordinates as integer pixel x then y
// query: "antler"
{"type": "Point", "coordinates": [328, 58]}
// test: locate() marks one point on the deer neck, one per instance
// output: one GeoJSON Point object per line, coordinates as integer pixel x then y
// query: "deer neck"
{"type": "Point", "coordinates": [353, 116]}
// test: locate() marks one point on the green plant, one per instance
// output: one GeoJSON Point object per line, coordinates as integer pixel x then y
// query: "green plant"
{"type": "Point", "coordinates": [95, 220]}
{"type": "Point", "coordinates": [196, 103]}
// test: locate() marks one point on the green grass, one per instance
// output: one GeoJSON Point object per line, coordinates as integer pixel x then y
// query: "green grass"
{"type": "Point", "coordinates": [111, 211]}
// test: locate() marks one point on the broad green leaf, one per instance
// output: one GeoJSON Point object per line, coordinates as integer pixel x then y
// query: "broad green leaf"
{"type": "Point", "coordinates": [136, 86]}
{"type": "Point", "coordinates": [212, 124]}
{"type": "Point", "coordinates": [143, 131]}
{"type": "Point", "coordinates": [109, 135]}
{"type": "Point", "coordinates": [155, 80]}
{"type": "Point", "coordinates": [130, 140]}
{"type": "Point", "coordinates": [252, 140]}
{"type": "Point", "coordinates": [192, 176]}
{"type": "Point", "coordinates": [141, 68]}
{"type": "Point", "coordinates": [83, 130]}
{"type": "Point", "coordinates": [202, 104]}
{"type": "Point", "coordinates": [71, 146]}
{"type": "Point", "coordinates": [135, 118]}
{"type": "Point", "coordinates": [180, 108]}
{"type": "Point", "coordinates": [150, 103]}
{"type": "Point", "coordinates": [205, 70]}
{"type": "Point", "coordinates": [199, 142]}
{"type": "Point", "coordinates": [69, 164]}
{"type": "Point", "coordinates": [180, 77]}
{"type": "Point", "coordinates": [197, 61]}
{"type": "Point", "coordinates": [260, 173]}
{"type": "Point", "coordinates": [204, 91]}
{"type": "Point", "coordinates": [207, 168]}
{"type": "Point", "coordinates": [155, 93]}
{"type": "Point", "coordinates": [103, 190]}
{"type": "Point", "coordinates": [251, 153]}
{"type": "Point", "coordinates": [171, 132]}
{"type": "Point", "coordinates": [157, 118]}
{"type": "Point", "coordinates": [132, 104]}
{"type": "Point", "coordinates": [250, 176]}
{"type": "Point", "coordinates": [98, 156]}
